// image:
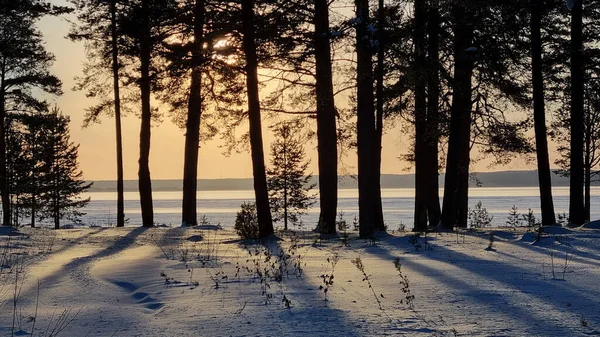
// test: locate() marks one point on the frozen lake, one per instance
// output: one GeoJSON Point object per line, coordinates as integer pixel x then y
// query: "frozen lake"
{"type": "Point", "coordinates": [220, 207]}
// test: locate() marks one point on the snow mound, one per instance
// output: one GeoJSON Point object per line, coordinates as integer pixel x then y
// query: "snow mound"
{"type": "Point", "coordinates": [592, 225]}
{"type": "Point", "coordinates": [556, 230]}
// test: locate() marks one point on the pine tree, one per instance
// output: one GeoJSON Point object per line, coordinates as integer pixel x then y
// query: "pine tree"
{"type": "Point", "coordinates": [289, 184]}
{"type": "Point", "coordinates": [24, 67]}
{"type": "Point", "coordinates": [63, 181]}
{"type": "Point", "coordinates": [97, 26]}
{"type": "Point", "coordinates": [249, 46]}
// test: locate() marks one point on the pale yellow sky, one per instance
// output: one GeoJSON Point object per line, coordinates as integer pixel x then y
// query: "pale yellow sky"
{"type": "Point", "coordinates": [97, 142]}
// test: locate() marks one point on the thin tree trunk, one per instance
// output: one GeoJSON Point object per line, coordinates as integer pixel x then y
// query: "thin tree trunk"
{"type": "Point", "coordinates": [33, 210]}
{"type": "Point", "coordinates": [192, 134]}
{"type": "Point", "coordinates": [379, 116]}
{"type": "Point", "coordinates": [457, 165]}
{"type": "Point", "coordinates": [119, 140]}
{"type": "Point", "coordinates": [326, 124]}
{"type": "Point", "coordinates": [265, 221]}
{"type": "Point", "coordinates": [419, 68]}
{"type": "Point", "coordinates": [539, 116]}
{"type": "Point", "coordinates": [286, 176]}
{"type": "Point", "coordinates": [365, 122]}
{"type": "Point", "coordinates": [433, 118]}
{"type": "Point", "coordinates": [6, 221]}
{"type": "Point", "coordinates": [576, 202]}
{"type": "Point", "coordinates": [145, 182]}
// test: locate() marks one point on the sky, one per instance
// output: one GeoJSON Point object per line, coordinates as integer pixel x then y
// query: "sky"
{"type": "Point", "coordinates": [97, 142]}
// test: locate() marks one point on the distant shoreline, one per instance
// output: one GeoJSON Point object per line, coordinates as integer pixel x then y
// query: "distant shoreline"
{"type": "Point", "coordinates": [486, 179]}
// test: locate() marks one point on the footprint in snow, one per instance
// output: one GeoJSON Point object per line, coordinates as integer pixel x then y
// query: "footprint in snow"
{"type": "Point", "coordinates": [139, 296]}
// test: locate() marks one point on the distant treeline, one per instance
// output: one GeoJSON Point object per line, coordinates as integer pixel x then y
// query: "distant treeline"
{"type": "Point", "coordinates": [486, 179]}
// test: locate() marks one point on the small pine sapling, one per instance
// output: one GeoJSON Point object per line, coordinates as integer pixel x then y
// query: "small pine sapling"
{"type": "Point", "coordinates": [343, 226]}
{"type": "Point", "coordinates": [529, 220]}
{"type": "Point", "coordinates": [288, 181]}
{"type": "Point", "coordinates": [479, 217]}
{"type": "Point", "coordinates": [514, 217]}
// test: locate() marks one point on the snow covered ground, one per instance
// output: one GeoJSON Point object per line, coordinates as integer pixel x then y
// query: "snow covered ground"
{"type": "Point", "coordinates": [203, 282]}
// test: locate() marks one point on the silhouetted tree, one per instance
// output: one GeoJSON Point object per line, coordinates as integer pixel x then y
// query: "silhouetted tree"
{"type": "Point", "coordinates": [98, 26]}
{"type": "Point", "coordinates": [326, 118]}
{"type": "Point", "coordinates": [63, 180]}
{"type": "Point", "coordinates": [539, 115]}
{"type": "Point", "coordinates": [24, 67]}
{"type": "Point", "coordinates": [145, 26]}
{"type": "Point", "coordinates": [576, 200]}
{"type": "Point", "coordinates": [265, 221]}
{"type": "Point", "coordinates": [288, 182]}
{"type": "Point", "coordinates": [419, 73]}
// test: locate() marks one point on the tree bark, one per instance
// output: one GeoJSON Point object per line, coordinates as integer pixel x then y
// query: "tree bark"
{"type": "Point", "coordinates": [380, 225]}
{"type": "Point", "coordinates": [576, 203]}
{"type": "Point", "coordinates": [6, 211]}
{"type": "Point", "coordinates": [265, 221]}
{"type": "Point", "coordinates": [119, 138]}
{"type": "Point", "coordinates": [419, 68]}
{"type": "Point", "coordinates": [457, 165]}
{"type": "Point", "coordinates": [192, 126]}
{"type": "Point", "coordinates": [433, 118]}
{"type": "Point", "coordinates": [365, 122]}
{"type": "Point", "coordinates": [539, 116]}
{"type": "Point", "coordinates": [326, 123]}
{"type": "Point", "coordinates": [145, 182]}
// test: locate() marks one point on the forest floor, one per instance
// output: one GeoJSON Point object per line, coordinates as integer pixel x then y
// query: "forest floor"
{"type": "Point", "coordinates": [206, 282]}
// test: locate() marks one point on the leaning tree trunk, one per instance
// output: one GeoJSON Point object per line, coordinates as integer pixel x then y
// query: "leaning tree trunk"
{"type": "Point", "coordinates": [192, 126]}
{"type": "Point", "coordinates": [365, 122]}
{"type": "Point", "coordinates": [326, 124]}
{"type": "Point", "coordinates": [145, 183]}
{"type": "Point", "coordinates": [460, 121]}
{"type": "Point", "coordinates": [576, 202]}
{"type": "Point", "coordinates": [419, 68]}
{"type": "Point", "coordinates": [265, 221]}
{"type": "Point", "coordinates": [539, 116]}
{"type": "Point", "coordinates": [433, 118]}
{"type": "Point", "coordinates": [119, 140]}
{"type": "Point", "coordinates": [380, 224]}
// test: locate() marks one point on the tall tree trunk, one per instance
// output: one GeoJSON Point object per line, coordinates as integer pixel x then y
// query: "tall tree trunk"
{"type": "Point", "coordinates": [539, 116]}
{"type": "Point", "coordinates": [265, 221]}
{"type": "Point", "coordinates": [588, 188]}
{"type": "Point", "coordinates": [379, 116]}
{"type": "Point", "coordinates": [419, 68]}
{"type": "Point", "coordinates": [457, 165]}
{"type": "Point", "coordinates": [365, 122]}
{"type": "Point", "coordinates": [145, 183]}
{"type": "Point", "coordinates": [326, 123]}
{"type": "Point", "coordinates": [286, 179]}
{"type": "Point", "coordinates": [192, 126]}
{"type": "Point", "coordinates": [6, 212]}
{"type": "Point", "coordinates": [433, 118]}
{"type": "Point", "coordinates": [576, 203]}
{"type": "Point", "coordinates": [587, 163]}
{"type": "Point", "coordinates": [119, 140]}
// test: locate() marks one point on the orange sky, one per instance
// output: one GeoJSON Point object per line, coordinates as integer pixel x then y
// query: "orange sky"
{"type": "Point", "coordinates": [97, 142]}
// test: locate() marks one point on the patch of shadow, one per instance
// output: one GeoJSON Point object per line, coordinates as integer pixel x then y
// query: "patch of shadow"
{"type": "Point", "coordinates": [139, 296]}
{"type": "Point", "coordinates": [195, 238]}
{"type": "Point", "coordinates": [154, 306]}
{"type": "Point", "coordinates": [209, 227]}
{"type": "Point", "coordinates": [10, 231]}
{"type": "Point", "coordinates": [126, 285]}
